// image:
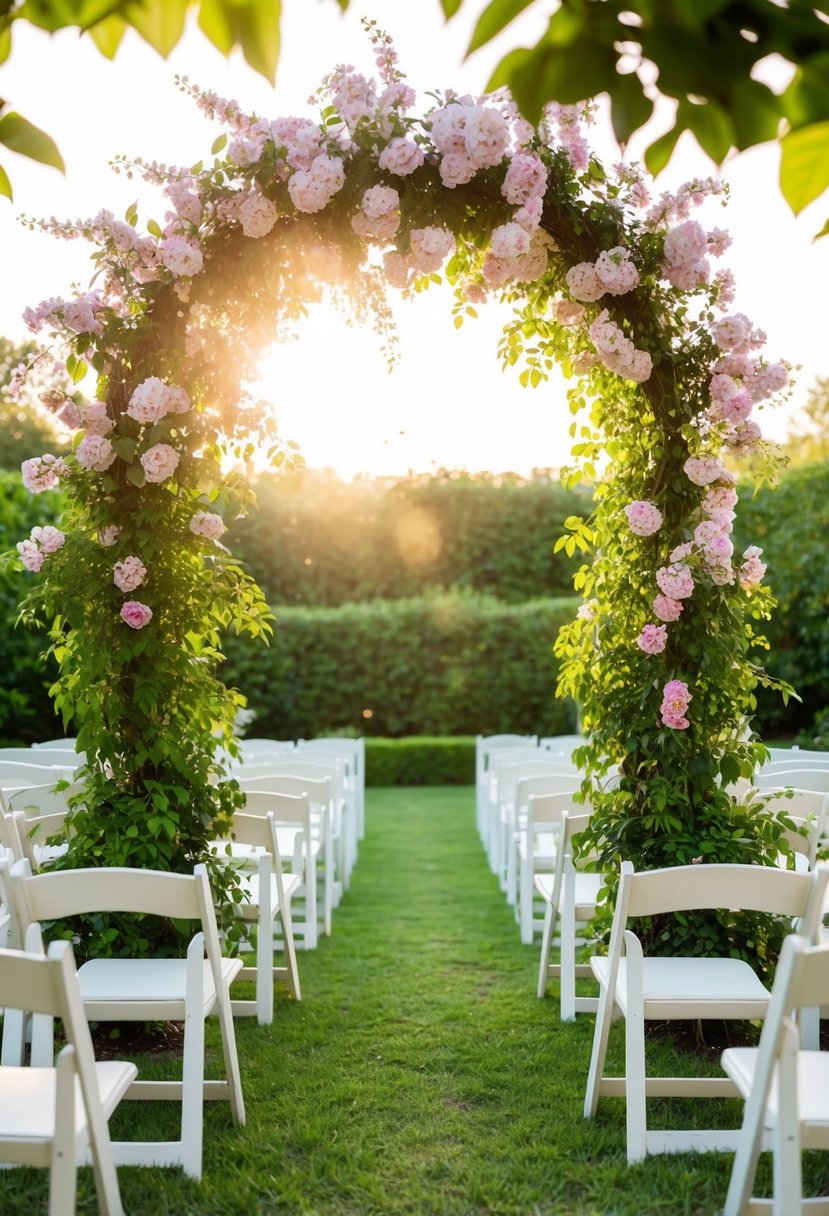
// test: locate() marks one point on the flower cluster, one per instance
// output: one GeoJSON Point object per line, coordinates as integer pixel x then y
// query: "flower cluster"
{"type": "Point", "coordinates": [675, 701]}
{"type": "Point", "coordinates": [644, 517]}
{"type": "Point", "coordinates": [42, 541]}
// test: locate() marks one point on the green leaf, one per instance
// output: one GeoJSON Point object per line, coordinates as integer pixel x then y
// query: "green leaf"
{"type": "Point", "coordinates": [823, 232]}
{"type": "Point", "coordinates": [154, 228]}
{"type": "Point", "coordinates": [496, 16]}
{"type": "Point", "coordinates": [5, 44]}
{"type": "Point", "coordinates": [711, 126]}
{"type": "Point", "coordinates": [135, 475]}
{"type": "Point", "coordinates": [661, 150]}
{"type": "Point", "coordinates": [218, 144]}
{"type": "Point", "coordinates": [566, 75]}
{"type": "Point", "coordinates": [804, 164]}
{"type": "Point", "coordinates": [251, 24]}
{"type": "Point", "coordinates": [5, 184]}
{"type": "Point", "coordinates": [159, 22]}
{"type": "Point", "coordinates": [17, 133]}
{"type": "Point", "coordinates": [125, 447]}
{"type": "Point", "coordinates": [450, 7]}
{"type": "Point", "coordinates": [107, 35]}
{"type": "Point", "coordinates": [806, 100]}
{"type": "Point", "coordinates": [755, 112]}
{"type": "Point", "coordinates": [629, 107]}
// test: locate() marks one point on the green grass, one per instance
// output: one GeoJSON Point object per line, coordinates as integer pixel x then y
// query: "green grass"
{"type": "Point", "coordinates": [420, 1074]}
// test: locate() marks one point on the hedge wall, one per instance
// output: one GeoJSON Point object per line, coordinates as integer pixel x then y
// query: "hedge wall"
{"type": "Point", "coordinates": [420, 761]}
{"type": "Point", "coordinates": [319, 541]}
{"type": "Point", "coordinates": [791, 524]}
{"type": "Point", "coordinates": [26, 713]}
{"type": "Point", "coordinates": [454, 664]}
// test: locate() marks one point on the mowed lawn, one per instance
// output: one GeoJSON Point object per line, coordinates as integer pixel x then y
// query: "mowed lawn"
{"type": "Point", "coordinates": [420, 1074]}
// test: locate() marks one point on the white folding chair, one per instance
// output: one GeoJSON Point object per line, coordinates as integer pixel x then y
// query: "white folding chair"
{"type": "Point", "coordinates": [538, 842]}
{"type": "Point", "coordinates": [149, 989]}
{"type": "Point", "coordinates": [486, 747]}
{"type": "Point", "coordinates": [570, 897]}
{"type": "Point", "coordinates": [644, 989]}
{"type": "Point", "coordinates": [786, 1089]}
{"type": "Point", "coordinates": [506, 773]}
{"type": "Point", "coordinates": [268, 904]}
{"type": "Point", "coordinates": [317, 792]}
{"type": "Point", "coordinates": [798, 777]}
{"type": "Point", "coordinates": [526, 788]}
{"type": "Point", "coordinates": [56, 1115]}
{"type": "Point", "coordinates": [354, 751]}
{"type": "Point", "coordinates": [297, 840]}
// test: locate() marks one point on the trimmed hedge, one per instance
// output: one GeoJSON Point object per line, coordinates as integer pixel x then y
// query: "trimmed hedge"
{"type": "Point", "coordinates": [443, 665]}
{"type": "Point", "coordinates": [420, 761]}
{"type": "Point", "coordinates": [791, 524]}
{"type": "Point", "coordinates": [319, 541]}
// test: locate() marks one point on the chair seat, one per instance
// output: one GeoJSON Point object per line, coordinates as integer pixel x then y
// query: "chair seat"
{"type": "Point", "coordinates": [145, 983]}
{"type": "Point", "coordinates": [544, 847]}
{"type": "Point", "coordinates": [27, 1099]}
{"type": "Point", "coordinates": [812, 1086]}
{"type": "Point", "coordinates": [688, 987]}
{"type": "Point", "coordinates": [250, 885]}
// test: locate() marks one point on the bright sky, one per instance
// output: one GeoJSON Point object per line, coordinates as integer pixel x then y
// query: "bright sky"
{"type": "Point", "coordinates": [448, 404]}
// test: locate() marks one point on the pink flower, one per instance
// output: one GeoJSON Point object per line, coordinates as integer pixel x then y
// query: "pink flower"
{"type": "Point", "coordinates": [381, 229]}
{"type": "Point", "coordinates": [257, 215]}
{"type": "Point", "coordinates": [615, 271]}
{"type": "Point", "coordinates": [180, 256]}
{"type": "Point", "coordinates": [644, 517]}
{"type": "Point", "coordinates": [666, 609]}
{"type": "Point", "coordinates": [69, 415]}
{"type": "Point", "coordinates": [686, 265]}
{"type": "Point", "coordinates": [653, 639]}
{"type": "Point", "coordinates": [617, 352]}
{"type": "Point", "coordinates": [313, 188]}
{"type": "Point", "coordinates": [207, 524]}
{"type": "Point", "coordinates": [108, 536]}
{"type": "Point", "coordinates": [95, 452]}
{"type": "Point", "coordinates": [675, 700]}
{"type": "Point", "coordinates": [401, 156]}
{"type": "Point", "coordinates": [751, 570]}
{"type": "Point", "coordinates": [398, 270]}
{"type": "Point", "coordinates": [135, 614]}
{"type": "Point", "coordinates": [509, 241]}
{"type": "Point", "coordinates": [676, 581]}
{"type": "Point", "coordinates": [50, 539]}
{"type": "Point", "coordinates": [40, 473]}
{"type": "Point", "coordinates": [95, 418]}
{"type": "Point", "coordinates": [680, 553]}
{"type": "Point", "coordinates": [703, 470]}
{"type": "Point", "coordinates": [429, 247]}
{"type": "Point", "coordinates": [159, 462]}
{"type": "Point", "coordinates": [379, 200]}
{"type": "Point", "coordinates": [129, 574]}
{"type": "Point", "coordinates": [150, 402]}
{"type": "Point", "coordinates": [31, 556]}
{"type": "Point", "coordinates": [585, 285]}
{"type": "Point", "coordinates": [525, 178]}
{"type": "Point", "coordinates": [568, 312]}
{"type": "Point", "coordinates": [587, 611]}
{"type": "Point", "coordinates": [456, 169]}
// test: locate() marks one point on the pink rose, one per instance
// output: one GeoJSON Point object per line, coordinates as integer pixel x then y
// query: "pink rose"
{"type": "Point", "coordinates": [129, 574]}
{"type": "Point", "coordinates": [666, 609]}
{"type": "Point", "coordinates": [95, 452]}
{"type": "Point", "coordinates": [676, 581]}
{"type": "Point", "coordinates": [401, 156]}
{"type": "Point", "coordinates": [207, 524]}
{"type": "Point", "coordinates": [108, 536]}
{"type": "Point", "coordinates": [135, 614]}
{"type": "Point", "coordinates": [653, 639]}
{"type": "Point", "coordinates": [644, 517]}
{"type": "Point", "coordinates": [159, 462]}
{"type": "Point", "coordinates": [703, 470]}
{"type": "Point", "coordinates": [585, 285]}
{"type": "Point", "coordinates": [675, 700]}
{"type": "Point", "coordinates": [40, 473]}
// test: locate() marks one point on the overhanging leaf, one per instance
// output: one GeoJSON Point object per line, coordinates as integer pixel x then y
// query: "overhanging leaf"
{"type": "Point", "coordinates": [661, 150]}
{"type": "Point", "coordinates": [755, 112]}
{"type": "Point", "coordinates": [567, 76]}
{"type": "Point", "coordinates": [159, 22]}
{"type": "Point", "coordinates": [495, 17]}
{"type": "Point", "coordinates": [450, 7]}
{"type": "Point", "coordinates": [251, 24]}
{"type": "Point", "coordinates": [5, 184]}
{"type": "Point", "coordinates": [629, 107]}
{"type": "Point", "coordinates": [711, 126]}
{"type": "Point", "coordinates": [107, 35]}
{"type": "Point", "coordinates": [804, 165]}
{"type": "Point", "coordinates": [22, 136]}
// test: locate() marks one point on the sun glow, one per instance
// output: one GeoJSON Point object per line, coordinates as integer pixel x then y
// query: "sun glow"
{"type": "Point", "coordinates": [333, 393]}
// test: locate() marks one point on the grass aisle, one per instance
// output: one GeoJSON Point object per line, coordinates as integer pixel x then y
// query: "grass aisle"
{"type": "Point", "coordinates": [420, 1074]}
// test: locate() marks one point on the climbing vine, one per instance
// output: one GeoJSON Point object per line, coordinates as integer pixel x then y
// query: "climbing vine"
{"type": "Point", "coordinates": [614, 284]}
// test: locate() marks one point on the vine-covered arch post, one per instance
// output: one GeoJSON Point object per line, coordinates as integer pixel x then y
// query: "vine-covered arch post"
{"type": "Point", "coordinates": [618, 287]}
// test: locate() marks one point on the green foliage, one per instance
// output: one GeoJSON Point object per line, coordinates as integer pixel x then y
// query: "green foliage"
{"type": "Point", "coordinates": [807, 440]}
{"type": "Point", "coordinates": [26, 713]}
{"type": "Point", "coordinates": [316, 540]}
{"type": "Point", "coordinates": [252, 25]}
{"type": "Point", "coordinates": [420, 761]}
{"type": "Point", "coordinates": [442, 665]}
{"type": "Point", "coordinates": [790, 523]}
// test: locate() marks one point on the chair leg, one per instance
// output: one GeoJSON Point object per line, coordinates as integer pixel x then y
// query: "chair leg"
{"type": "Point", "coordinates": [310, 901]}
{"type": "Point", "coordinates": [637, 1135]}
{"type": "Point", "coordinates": [525, 897]}
{"type": "Point", "coordinates": [192, 1077]}
{"type": "Point", "coordinates": [63, 1175]}
{"type": "Point", "coordinates": [264, 966]}
{"type": "Point", "coordinates": [788, 1181]}
{"type": "Point", "coordinates": [546, 946]}
{"type": "Point", "coordinates": [601, 1033]}
{"type": "Point", "coordinates": [568, 957]}
{"type": "Point", "coordinates": [290, 951]}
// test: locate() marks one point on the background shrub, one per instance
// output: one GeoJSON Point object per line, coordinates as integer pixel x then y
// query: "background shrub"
{"type": "Point", "coordinates": [451, 664]}
{"type": "Point", "coordinates": [26, 713]}
{"type": "Point", "coordinates": [323, 542]}
{"type": "Point", "coordinates": [420, 761]}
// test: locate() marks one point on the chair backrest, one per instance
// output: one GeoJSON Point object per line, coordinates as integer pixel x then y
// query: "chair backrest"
{"type": "Point", "coordinates": [561, 745]}
{"type": "Point", "coordinates": [506, 776]}
{"type": "Point", "coordinates": [748, 888]}
{"type": "Point", "coordinates": [259, 832]}
{"type": "Point", "coordinates": [64, 757]}
{"type": "Point", "coordinates": [15, 774]}
{"type": "Point", "coordinates": [352, 749]}
{"type": "Point", "coordinates": [257, 751]}
{"type": "Point", "coordinates": [33, 832]}
{"type": "Point", "coordinates": [57, 894]}
{"type": "Point", "coordinates": [41, 799]}
{"type": "Point", "coordinates": [65, 743]}
{"type": "Point", "coordinates": [285, 808]}
{"type": "Point", "coordinates": [549, 809]}
{"type": "Point", "coordinates": [542, 784]}
{"type": "Point", "coordinates": [805, 777]}
{"type": "Point", "coordinates": [316, 789]}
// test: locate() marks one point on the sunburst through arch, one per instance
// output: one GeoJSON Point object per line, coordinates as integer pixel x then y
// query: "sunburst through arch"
{"type": "Point", "coordinates": [616, 287]}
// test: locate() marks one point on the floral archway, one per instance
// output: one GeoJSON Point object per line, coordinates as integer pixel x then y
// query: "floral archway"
{"type": "Point", "coordinates": [611, 283]}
